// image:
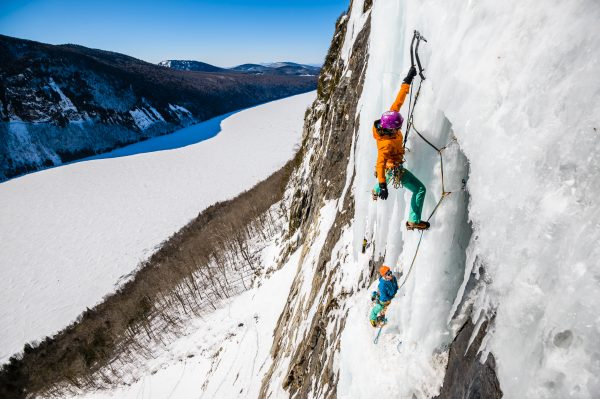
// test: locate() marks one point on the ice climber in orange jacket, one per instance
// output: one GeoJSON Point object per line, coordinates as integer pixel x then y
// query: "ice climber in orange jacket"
{"type": "Point", "coordinates": [390, 158]}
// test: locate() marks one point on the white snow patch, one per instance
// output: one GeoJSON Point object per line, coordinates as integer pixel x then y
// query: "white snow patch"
{"type": "Point", "coordinates": [65, 103]}
{"type": "Point", "coordinates": [356, 22]}
{"type": "Point", "coordinates": [142, 119]}
{"type": "Point", "coordinates": [156, 113]}
{"type": "Point", "coordinates": [179, 109]}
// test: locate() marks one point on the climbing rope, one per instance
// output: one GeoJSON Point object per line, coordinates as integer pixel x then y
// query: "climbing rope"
{"type": "Point", "coordinates": [410, 124]}
{"type": "Point", "coordinates": [444, 192]}
{"type": "Point", "coordinates": [417, 37]}
{"type": "Point", "coordinates": [397, 173]}
{"type": "Point", "coordinates": [442, 197]}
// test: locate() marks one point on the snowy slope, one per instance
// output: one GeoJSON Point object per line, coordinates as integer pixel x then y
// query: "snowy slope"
{"type": "Point", "coordinates": [221, 355]}
{"type": "Point", "coordinates": [69, 235]}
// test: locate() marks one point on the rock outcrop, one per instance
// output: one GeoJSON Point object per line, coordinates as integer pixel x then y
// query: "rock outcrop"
{"type": "Point", "coordinates": [309, 328]}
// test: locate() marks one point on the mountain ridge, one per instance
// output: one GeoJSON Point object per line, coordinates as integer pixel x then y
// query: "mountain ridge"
{"type": "Point", "coordinates": [272, 68]}
{"type": "Point", "coordinates": [60, 103]}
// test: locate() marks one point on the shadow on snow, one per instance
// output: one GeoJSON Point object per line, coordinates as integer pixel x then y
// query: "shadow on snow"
{"type": "Point", "coordinates": [178, 139]}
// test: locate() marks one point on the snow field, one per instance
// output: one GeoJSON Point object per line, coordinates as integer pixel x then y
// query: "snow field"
{"type": "Point", "coordinates": [71, 234]}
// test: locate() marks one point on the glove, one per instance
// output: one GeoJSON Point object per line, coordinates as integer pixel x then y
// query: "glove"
{"type": "Point", "coordinates": [412, 72]}
{"type": "Point", "coordinates": [383, 192]}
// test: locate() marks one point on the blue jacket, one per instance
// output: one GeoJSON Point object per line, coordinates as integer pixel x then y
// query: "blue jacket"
{"type": "Point", "coordinates": [387, 289]}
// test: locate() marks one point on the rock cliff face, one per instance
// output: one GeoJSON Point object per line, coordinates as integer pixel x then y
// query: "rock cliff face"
{"type": "Point", "coordinates": [466, 376]}
{"type": "Point", "coordinates": [61, 103]}
{"type": "Point", "coordinates": [309, 328]}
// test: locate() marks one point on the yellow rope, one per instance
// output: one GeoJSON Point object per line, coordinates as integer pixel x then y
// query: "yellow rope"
{"type": "Point", "coordinates": [444, 195]}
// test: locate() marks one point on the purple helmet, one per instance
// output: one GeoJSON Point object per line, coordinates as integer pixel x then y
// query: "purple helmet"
{"type": "Point", "coordinates": [391, 120]}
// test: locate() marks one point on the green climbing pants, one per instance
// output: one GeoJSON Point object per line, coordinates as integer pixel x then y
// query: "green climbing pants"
{"type": "Point", "coordinates": [378, 308]}
{"type": "Point", "coordinates": [414, 185]}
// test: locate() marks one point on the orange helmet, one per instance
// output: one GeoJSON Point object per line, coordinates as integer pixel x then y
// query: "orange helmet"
{"type": "Point", "coordinates": [383, 270]}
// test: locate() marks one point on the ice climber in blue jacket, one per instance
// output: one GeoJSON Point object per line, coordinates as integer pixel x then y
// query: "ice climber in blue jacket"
{"type": "Point", "coordinates": [388, 287]}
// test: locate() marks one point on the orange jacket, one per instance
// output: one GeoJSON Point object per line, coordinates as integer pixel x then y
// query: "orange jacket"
{"type": "Point", "coordinates": [390, 149]}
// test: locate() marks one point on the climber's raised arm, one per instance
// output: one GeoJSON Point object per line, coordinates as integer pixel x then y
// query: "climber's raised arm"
{"type": "Point", "coordinates": [404, 89]}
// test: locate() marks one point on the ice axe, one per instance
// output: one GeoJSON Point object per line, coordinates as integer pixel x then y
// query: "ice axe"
{"type": "Point", "coordinates": [414, 51]}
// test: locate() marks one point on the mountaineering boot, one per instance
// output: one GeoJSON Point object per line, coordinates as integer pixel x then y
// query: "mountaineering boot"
{"type": "Point", "coordinates": [381, 321]}
{"type": "Point", "coordinates": [417, 225]}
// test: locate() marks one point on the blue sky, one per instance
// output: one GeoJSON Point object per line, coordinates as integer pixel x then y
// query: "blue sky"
{"type": "Point", "coordinates": [222, 33]}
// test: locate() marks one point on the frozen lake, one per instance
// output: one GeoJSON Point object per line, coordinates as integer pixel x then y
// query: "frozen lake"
{"type": "Point", "coordinates": [69, 235]}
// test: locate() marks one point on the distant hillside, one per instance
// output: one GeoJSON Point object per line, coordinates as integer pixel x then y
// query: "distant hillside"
{"type": "Point", "coordinates": [252, 68]}
{"type": "Point", "coordinates": [279, 68]}
{"type": "Point", "coordinates": [61, 103]}
{"type": "Point", "coordinates": [275, 68]}
{"type": "Point", "coordinates": [300, 70]}
{"type": "Point", "coordinates": [185, 65]}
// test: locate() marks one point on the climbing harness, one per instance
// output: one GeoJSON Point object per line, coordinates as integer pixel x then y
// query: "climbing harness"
{"type": "Point", "coordinates": [397, 172]}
